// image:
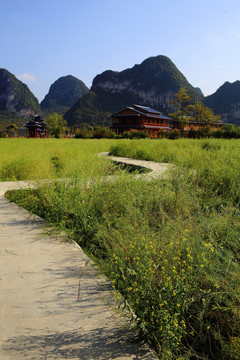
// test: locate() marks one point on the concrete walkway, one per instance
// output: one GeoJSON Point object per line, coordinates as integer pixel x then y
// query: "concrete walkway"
{"type": "Point", "coordinates": [54, 303]}
{"type": "Point", "coordinates": [157, 170]}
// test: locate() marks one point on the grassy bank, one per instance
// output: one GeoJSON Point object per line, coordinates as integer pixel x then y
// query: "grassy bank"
{"type": "Point", "coordinates": [171, 247]}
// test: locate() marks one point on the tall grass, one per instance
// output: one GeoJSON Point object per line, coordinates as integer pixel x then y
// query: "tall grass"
{"type": "Point", "coordinates": [171, 247]}
{"type": "Point", "coordinates": [30, 159]}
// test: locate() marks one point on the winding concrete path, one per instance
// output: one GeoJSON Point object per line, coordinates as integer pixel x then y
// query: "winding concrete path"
{"type": "Point", "coordinates": [157, 170]}
{"type": "Point", "coordinates": [54, 303]}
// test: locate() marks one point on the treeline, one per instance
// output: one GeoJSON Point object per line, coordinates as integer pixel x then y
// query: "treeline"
{"type": "Point", "coordinates": [101, 132]}
{"type": "Point", "coordinates": [229, 131]}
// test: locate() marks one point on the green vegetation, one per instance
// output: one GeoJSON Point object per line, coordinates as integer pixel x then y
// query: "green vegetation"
{"type": "Point", "coordinates": [26, 159]}
{"type": "Point", "coordinates": [7, 118]}
{"type": "Point", "coordinates": [17, 101]}
{"type": "Point", "coordinates": [95, 108]}
{"type": "Point", "coordinates": [23, 97]}
{"type": "Point", "coordinates": [182, 102]}
{"type": "Point", "coordinates": [170, 247]}
{"type": "Point", "coordinates": [56, 125]}
{"type": "Point", "coordinates": [12, 127]}
{"type": "Point", "coordinates": [63, 93]}
{"type": "Point", "coordinates": [229, 131]}
{"type": "Point", "coordinates": [204, 115]}
{"type": "Point", "coordinates": [225, 101]}
{"type": "Point", "coordinates": [186, 111]}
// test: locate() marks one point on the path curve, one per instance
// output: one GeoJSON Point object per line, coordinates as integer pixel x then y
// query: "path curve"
{"type": "Point", "coordinates": [54, 303]}
{"type": "Point", "coordinates": [158, 170]}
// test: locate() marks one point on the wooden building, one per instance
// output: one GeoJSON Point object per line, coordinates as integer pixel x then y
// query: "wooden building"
{"type": "Point", "coordinates": [139, 117]}
{"type": "Point", "coordinates": [144, 118]}
{"type": "Point", "coordinates": [36, 127]}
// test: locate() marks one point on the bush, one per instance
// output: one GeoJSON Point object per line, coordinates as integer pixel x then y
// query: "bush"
{"type": "Point", "coordinates": [163, 134]}
{"type": "Point", "coordinates": [174, 135]}
{"type": "Point", "coordinates": [135, 134]}
{"type": "Point", "coordinates": [84, 133]}
{"type": "Point", "coordinates": [103, 132]}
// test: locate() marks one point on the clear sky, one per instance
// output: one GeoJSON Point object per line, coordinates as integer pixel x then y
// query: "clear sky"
{"type": "Point", "coordinates": [42, 40]}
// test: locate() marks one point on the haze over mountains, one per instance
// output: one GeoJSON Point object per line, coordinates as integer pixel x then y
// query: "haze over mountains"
{"type": "Point", "coordinates": [152, 83]}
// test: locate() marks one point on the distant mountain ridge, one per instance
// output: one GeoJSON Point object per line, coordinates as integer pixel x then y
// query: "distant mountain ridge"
{"type": "Point", "coordinates": [15, 96]}
{"type": "Point", "coordinates": [226, 102]}
{"type": "Point", "coordinates": [63, 93]}
{"type": "Point", "coordinates": [157, 74]}
{"type": "Point", "coordinates": [151, 83]}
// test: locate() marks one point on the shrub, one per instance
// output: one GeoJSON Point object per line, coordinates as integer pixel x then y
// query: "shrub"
{"type": "Point", "coordinates": [174, 135]}
{"type": "Point", "coordinates": [135, 134]}
{"type": "Point", "coordinates": [83, 133]}
{"type": "Point", "coordinates": [103, 132]}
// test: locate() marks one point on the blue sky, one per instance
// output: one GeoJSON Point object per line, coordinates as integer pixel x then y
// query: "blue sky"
{"type": "Point", "coordinates": [41, 40]}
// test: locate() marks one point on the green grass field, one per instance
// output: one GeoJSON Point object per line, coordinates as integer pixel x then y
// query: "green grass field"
{"type": "Point", "coordinates": [30, 159]}
{"type": "Point", "coordinates": [170, 247]}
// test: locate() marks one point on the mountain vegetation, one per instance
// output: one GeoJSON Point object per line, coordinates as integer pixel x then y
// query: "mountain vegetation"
{"type": "Point", "coordinates": [15, 96]}
{"type": "Point", "coordinates": [151, 83]}
{"type": "Point", "coordinates": [63, 93]}
{"type": "Point", "coordinates": [226, 101]}
{"type": "Point", "coordinates": [7, 118]}
{"type": "Point", "coordinates": [16, 100]}
{"type": "Point", "coordinates": [95, 108]}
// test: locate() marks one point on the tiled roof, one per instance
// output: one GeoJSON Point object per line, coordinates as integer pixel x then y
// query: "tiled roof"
{"type": "Point", "coordinates": [151, 113]}
{"type": "Point", "coordinates": [147, 109]}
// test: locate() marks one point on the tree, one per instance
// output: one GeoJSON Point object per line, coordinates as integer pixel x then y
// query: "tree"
{"type": "Point", "coordinates": [204, 115]}
{"type": "Point", "coordinates": [12, 127]}
{"type": "Point", "coordinates": [185, 111]}
{"type": "Point", "coordinates": [12, 130]}
{"type": "Point", "coordinates": [57, 125]}
{"type": "Point", "coordinates": [182, 103]}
